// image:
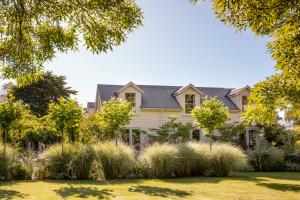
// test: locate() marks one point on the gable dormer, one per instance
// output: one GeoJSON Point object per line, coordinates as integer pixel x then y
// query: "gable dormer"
{"type": "Point", "coordinates": [188, 97]}
{"type": "Point", "coordinates": [132, 93]}
{"type": "Point", "coordinates": [240, 96]}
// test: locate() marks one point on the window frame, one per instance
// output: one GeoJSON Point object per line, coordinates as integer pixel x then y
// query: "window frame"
{"type": "Point", "coordinates": [189, 106]}
{"type": "Point", "coordinates": [131, 99]}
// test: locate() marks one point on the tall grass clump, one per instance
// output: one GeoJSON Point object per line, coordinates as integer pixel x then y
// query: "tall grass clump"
{"type": "Point", "coordinates": [6, 161]}
{"type": "Point", "coordinates": [113, 161]}
{"type": "Point", "coordinates": [162, 160]}
{"type": "Point", "coordinates": [265, 157]}
{"type": "Point", "coordinates": [224, 158]}
{"type": "Point", "coordinates": [74, 163]}
{"type": "Point", "coordinates": [194, 159]}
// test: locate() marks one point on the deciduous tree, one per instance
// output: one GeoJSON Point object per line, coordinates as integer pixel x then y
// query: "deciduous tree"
{"type": "Point", "coordinates": [114, 114]}
{"type": "Point", "coordinates": [66, 116]}
{"type": "Point", "coordinates": [32, 32]}
{"type": "Point", "coordinates": [210, 115]}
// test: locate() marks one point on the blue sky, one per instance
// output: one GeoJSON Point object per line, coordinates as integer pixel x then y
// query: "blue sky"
{"type": "Point", "coordinates": [179, 44]}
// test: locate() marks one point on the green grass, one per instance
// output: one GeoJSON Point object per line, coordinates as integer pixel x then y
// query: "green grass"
{"type": "Point", "coordinates": [239, 186]}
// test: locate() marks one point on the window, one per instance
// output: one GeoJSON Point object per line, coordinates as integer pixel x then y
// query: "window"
{"type": "Point", "coordinates": [136, 139]}
{"type": "Point", "coordinates": [125, 135]}
{"type": "Point", "coordinates": [130, 97]}
{"type": "Point", "coordinates": [244, 102]}
{"type": "Point", "coordinates": [196, 135]}
{"type": "Point", "coordinates": [189, 102]}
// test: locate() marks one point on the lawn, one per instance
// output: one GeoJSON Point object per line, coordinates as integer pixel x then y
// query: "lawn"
{"type": "Point", "coordinates": [239, 186]}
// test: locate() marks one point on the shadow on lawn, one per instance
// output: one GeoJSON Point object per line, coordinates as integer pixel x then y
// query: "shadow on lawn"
{"type": "Point", "coordinates": [159, 191]}
{"type": "Point", "coordinates": [84, 192]}
{"type": "Point", "coordinates": [11, 194]}
{"type": "Point", "coordinates": [282, 187]}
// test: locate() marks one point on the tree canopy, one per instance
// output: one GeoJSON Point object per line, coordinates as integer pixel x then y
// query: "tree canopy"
{"type": "Point", "coordinates": [280, 20]}
{"type": "Point", "coordinates": [32, 32]}
{"type": "Point", "coordinates": [39, 94]}
{"type": "Point", "coordinates": [66, 116]}
{"type": "Point", "coordinates": [114, 114]}
{"type": "Point", "coordinates": [10, 112]}
{"type": "Point", "coordinates": [210, 115]}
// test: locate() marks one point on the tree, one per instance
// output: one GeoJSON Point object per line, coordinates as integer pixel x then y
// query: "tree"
{"type": "Point", "coordinates": [33, 31]}
{"type": "Point", "coordinates": [210, 116]}
{"type": "Point", "coordinates": [233, 133]}
{"type": "Point", "coordinates": [39, 94]}
{"type": "Point", "coordinates": [91, 129]}
{"type": "Point", "coordinates": [280, 20]}
{"type": "Point", "coordinates": [10, 112]}
{"type": "Point", "coordinates": [173, 131]}
{"type": "Point", "coordinates": [114, 114]}
{"type": "Point", "coordinates": [66, 116]}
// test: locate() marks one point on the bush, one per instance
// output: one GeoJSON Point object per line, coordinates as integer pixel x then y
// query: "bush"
{"type": "Point", "coordinates": [19, 172]}
{"type": "Point", "coordinates": [113, 161]}
{"type": "Point", "coordinates": [7, 161]}
{"type": "Point", "coordinates": [194, 159]}
{"type": "Point", "coordinates": [266, 157]}
{"type": "Point", "coordinates": [75, 163]}
{"type": "Point", "coordinates": [161, 159]}
{"type": "Point", "coordinates": [224, 158]}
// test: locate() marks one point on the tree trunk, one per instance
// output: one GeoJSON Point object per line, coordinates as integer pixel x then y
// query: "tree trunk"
{"type": "Point", "coordinates": [210, 141]}
{"type": "Point", "coordinates": [116, 138]}
{"type": "Point", "coordinates": [62, 141]}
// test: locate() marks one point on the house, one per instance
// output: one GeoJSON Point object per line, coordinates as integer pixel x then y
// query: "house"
{"type": "Point", "coordinates": [154, 104]}
{"type": "Point", "coordinates": [90, 107]}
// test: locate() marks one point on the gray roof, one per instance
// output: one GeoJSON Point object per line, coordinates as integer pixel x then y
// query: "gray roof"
{"type": "Point", "coordinates": [238, 90]}
{"type": "Point", "coordinates": [90, 104]}
{"type": "Point", "coordinates": [158, 96]}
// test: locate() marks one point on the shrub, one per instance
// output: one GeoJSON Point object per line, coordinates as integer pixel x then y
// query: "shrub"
{"type": "Point", "coordinates": [161, 159]}
{"type": "Point", "coordinates": [7, 161]}
{"type": "Point", "coordinates": [18, 172]}
{"type": "Point", "coordinates": [113, 161]}
{"type": "Point", "coordinates": [224, 158]}
{"type": "Point", "coordinates": [194, 159]}
{"type": "Point", "coordinates": [75, 163]}
{"type": "Point", "coordinates": [266, 157]}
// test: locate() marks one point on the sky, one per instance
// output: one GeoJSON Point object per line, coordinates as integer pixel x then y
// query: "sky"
{"type": "Point", "coordinates": [179, 43]}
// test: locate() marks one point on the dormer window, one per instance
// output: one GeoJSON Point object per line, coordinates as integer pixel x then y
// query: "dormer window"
{"type": "Point", "coordinates": [130, 98]}
{"type": "Point", "coordinates": [189, 102]}
{"type": "Point", "coordinates": [244, 102]}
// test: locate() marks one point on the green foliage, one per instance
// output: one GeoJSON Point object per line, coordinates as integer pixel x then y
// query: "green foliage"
{"type": "Point", "coordinates": [33, 31]}
{"type": "Point", "coordinates": [6, 160]}
{"type": "Point", "coordinates": [190, 159]}
{"type": "Point", "coordinates": [113, 161]}
{"type": "Point", "coordinates": [224, 158]}
{"type": "Point", "coordinates": [18, 172]}
{"type": "Point", "coordinates": [92, 131]}
{"type": "Point", "coordinates": [39, 94]}
{"type": "Point", "coordinates": [280, 20]}
{"type": "Point", "coordinates": [66, 116]}
{"type": "Point", "coordinates": [75, 163]}
{"type": "Point", "coordinates": [194, 159]}
{"type": "Point", "coordinates": [210, 116]}
{"type": "Point", "coordinates": [10, 112]}
{"type": "Point", "coordinates": [266, 157]}
{"type": "Point", "coordinates": [161, 159]}
{"type": "Point", "coordinates": [232, 133]}
{"type": "Point", "coordinates": [173, 131]}
{"type": "Point", "coordinates": [114, 114]}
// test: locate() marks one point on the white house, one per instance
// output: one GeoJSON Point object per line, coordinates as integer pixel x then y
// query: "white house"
{"type": "Point", "coordinates": [154, 104]}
